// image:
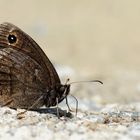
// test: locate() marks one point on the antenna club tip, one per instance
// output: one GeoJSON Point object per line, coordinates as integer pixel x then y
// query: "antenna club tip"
{"type": "Point", "coordinates": [101, 82]}
{"type": "Point", "coordinates": [98, 81]}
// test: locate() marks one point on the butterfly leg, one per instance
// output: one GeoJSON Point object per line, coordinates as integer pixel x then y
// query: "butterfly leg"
{"type": "Point", "coordinates": [70, 110]}
{"type": "Point", "coordinates": [7, 103]}
{"type": "Point", "coordinates": [58, 115]}
{"type": "Point", "coordinates": [57, 111]}
{"type": "Point", "coordinates": [19, 115]}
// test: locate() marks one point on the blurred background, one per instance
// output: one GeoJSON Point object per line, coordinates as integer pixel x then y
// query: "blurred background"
{"type": "Point", "coordinates": [91, 39]}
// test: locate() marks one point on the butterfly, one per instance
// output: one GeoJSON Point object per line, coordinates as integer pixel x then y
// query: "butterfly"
{"type": "Point", "coordinates": [28, 79]}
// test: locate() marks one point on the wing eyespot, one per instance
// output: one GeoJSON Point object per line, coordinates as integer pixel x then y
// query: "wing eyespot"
{"type": "Point", "coordinates": [12, 39]}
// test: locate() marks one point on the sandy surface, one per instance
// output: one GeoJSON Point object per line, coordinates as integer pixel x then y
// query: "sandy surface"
{"type": "Point", "coordinates": [93, 39]}
{"type": "Point", "coordinates": [110, 122]}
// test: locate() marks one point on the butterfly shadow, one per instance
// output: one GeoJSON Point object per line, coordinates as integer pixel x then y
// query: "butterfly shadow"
{"type": "Point", "coordinates": [54, 112]}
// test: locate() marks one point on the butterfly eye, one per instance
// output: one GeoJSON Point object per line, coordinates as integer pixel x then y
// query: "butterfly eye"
{"type": "Point", "coordinates": [62, 89]}
{"type": "Point", "coordinates": [12, 39]}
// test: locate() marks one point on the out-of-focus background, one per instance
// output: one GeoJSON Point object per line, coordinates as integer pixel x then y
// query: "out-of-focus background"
{"type": "Point", "coordinates": [89, 39]}
{"type": "Point", "coordinates": [92, 39]}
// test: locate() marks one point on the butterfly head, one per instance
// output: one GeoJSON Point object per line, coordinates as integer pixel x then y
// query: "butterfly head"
{"type": "Point", "coordinates": [63, 91]}
{"type": "Point", "coordinates": [57, 94]}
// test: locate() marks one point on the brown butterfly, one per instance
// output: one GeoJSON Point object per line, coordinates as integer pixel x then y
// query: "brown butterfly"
{"type": "Point", "coordinates": [27, 77]}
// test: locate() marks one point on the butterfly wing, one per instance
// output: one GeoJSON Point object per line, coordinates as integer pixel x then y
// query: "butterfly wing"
{"type": "Point", "coordinates": [25, 71]}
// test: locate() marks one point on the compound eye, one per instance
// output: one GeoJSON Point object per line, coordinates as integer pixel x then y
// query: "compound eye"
{"type": "Point", "coordinates": [12, 39]}
{"type": "Point", "coordinates": [62, 89]}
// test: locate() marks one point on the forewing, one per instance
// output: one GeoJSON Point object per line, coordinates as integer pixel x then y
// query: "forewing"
{"type": "Point", "coordinates": [25, 71]}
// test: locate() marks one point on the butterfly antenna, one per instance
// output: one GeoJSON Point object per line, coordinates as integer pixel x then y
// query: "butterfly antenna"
{"type": "Point", "coordinates": [90, 81]}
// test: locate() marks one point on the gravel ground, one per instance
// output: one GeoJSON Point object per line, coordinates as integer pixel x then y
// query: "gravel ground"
{"type": "Point", "coordinates": [109, 122]}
